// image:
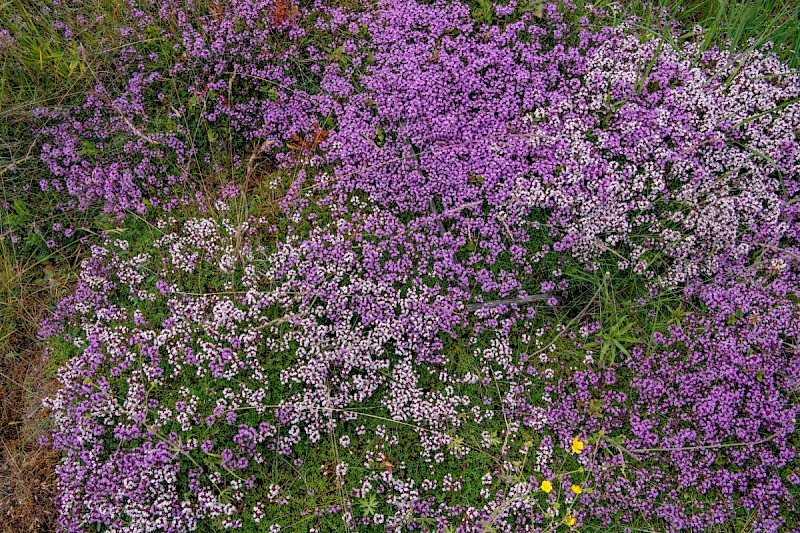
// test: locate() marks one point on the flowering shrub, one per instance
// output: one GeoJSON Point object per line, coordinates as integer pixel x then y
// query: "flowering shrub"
{"type": "Point", "coordinates": [384, 334]}
{"type": "Point", "coordinates": [170, 389]}
{"type": "Point", "coordinates": [671, 157]}
{"type": "Point", "coordinates": [703, 420]}
{"type": "Point", "coordinates": [171, 382]}
{"type": "Point", "coordinates": [329, 330]}
{"type": "Point", "coordinates": [225, 71]}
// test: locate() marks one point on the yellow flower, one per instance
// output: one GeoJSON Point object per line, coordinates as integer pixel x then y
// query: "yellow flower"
{"type": "Point", "coordinates": [576, 489]}
{"type": "Point", "coordinates": [577, 445]}
{"type": "Point", "coordinates": [569, 520]}
{"type": "Point", "coordinates": [547, 486]}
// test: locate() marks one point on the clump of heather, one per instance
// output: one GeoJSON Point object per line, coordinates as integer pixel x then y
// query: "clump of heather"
{"type": "Point", "coordinates": [511, 135]}
{"type": "Point", "coordinates": [191, 79]}
{"type": "Point", "coordinates": [177, 383]}
{"type": "Point", "coordinates": [389, 326]}
{"type": "Point", "coordinates": [669, 157]}
{"type": "Point", "coordinates": [198, 362]}
{"type": "Point", "coordinates": [702, 422]}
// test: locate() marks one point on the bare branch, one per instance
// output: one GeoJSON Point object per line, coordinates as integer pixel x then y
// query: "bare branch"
{"type": "Point", "coordinates": [251, 163]}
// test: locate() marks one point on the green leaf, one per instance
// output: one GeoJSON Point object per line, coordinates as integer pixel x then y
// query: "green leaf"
{"type": "Point", "coordinates": [380, 136]}
{"type": "Point", "coordinates": [369, 505]}
{"type": "Point", "coordinates": [336, 55]}
{"type": "Point", "coordinates": [20, 207]}
{"type": "Point", "coordinates": [456, 444]}
{"type": "Point", "coordinates": [88, 148]}
{"type": "Point", "coordinates": [621, 347]}
{"type": "Point", "coordinates": [12, 221]}
{"type": "Point", "coordinates": [536, 7]}
{"type": "Point", "coordinates": [487, 527]}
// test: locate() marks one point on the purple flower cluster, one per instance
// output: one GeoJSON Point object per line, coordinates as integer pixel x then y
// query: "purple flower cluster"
{"type": "Point", "coordinates": [346, 314]}
{"type": "Point", "coordinates": [466, 163]}
{"type": "Point", "coordinates": [670, 157]}
{"type": "Point", "coordinates": [187, 80]}
{"type": "Point", "coordinates": [702, 421]}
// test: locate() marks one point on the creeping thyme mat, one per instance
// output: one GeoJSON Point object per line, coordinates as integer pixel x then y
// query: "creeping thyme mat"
{"type": "Point", "coordinates": [496, 273]}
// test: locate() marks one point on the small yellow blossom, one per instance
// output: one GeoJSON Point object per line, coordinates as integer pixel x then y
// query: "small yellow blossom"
{"type": "Point", "coordinates": [569, 520]}
{"type": "Point", "coordinates": [576, 489]}
{"type": "Point", "coordinates": [577, 445]}
{"type": "Point", "coordinates": [547, 486]}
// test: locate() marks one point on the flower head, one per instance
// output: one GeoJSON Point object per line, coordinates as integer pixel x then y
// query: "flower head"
{"type": "Point", "coordinates": [569, 520]}
{"type": "Point", "coordinates": [547, 486]}
{"type": "Point", "coordinates": [577, 445]}
{"type": "Point", "coordinates": [576, 489]}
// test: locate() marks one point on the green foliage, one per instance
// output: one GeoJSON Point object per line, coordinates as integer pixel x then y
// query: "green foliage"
{"type": "Point", "coordinates": [727, 24]}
